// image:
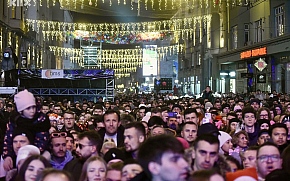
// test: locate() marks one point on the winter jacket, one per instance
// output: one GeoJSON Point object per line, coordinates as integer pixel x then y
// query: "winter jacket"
{"type": "Point", "coordinates": [59, 166]}
{"type": "Point", "coordinates": [208, 95]}
{"type": "Point", "coordinates": [38, 126]}
{"type": "Point", "coordinates": [74, 167]}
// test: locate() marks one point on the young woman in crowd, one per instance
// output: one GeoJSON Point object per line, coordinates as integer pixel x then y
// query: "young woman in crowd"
{"type": "Point", "coordinates": [232, 126]}
{"type": "Point", "coordinates": [50, 174]}
{"type": "Point", "coordinates": [264, 124]}
{"type": "Point", "coordinates": [94, 169]}
{"type": "Point", "coordinates": [31, 167]}
{"type": "Point", "coordinates": [264, 113]}
{"type": "Point", "coordinates": [225, 143]}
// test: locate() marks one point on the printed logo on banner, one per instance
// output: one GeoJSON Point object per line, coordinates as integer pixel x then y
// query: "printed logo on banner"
{"type": "Point", "coordinates": [52, 74]}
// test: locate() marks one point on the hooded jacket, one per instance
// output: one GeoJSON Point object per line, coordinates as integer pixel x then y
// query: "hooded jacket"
{"type": "Point", "coordinates": [59, 166]}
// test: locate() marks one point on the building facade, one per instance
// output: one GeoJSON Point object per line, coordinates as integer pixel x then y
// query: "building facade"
{"type": "Point", "coordinates": [29, 43]}
{"type": "Point", "coordinates": [258, 54]}
{"type": "Point", "coordinates": [245, 47]}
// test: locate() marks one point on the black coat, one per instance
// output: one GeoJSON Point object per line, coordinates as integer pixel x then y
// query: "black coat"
{"type": "Point", "coordinates": [120, 136]}
{"type": "Point", "coordinates": [74, 167]}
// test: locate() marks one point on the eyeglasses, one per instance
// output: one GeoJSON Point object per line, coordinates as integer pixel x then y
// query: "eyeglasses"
{"type": "Point", "coordinates": [265, 158]}
{"type": "Point", "coordinates": [81, 145]}
{"type": "Point", "coordinates": [57, 135]}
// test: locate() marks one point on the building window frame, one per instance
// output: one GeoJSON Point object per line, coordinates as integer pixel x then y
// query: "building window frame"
{"type": "Point", "coordinates": [280, 20]}
{"type": "Point", "coordinates": [258, 30]}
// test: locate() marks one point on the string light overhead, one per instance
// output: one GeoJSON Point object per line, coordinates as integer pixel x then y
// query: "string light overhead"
{"type": "Point", "coordinates": [147, 4]}
{"type": "Point", "coordinates": [172, 24]}
{"type": "Point", "coordinates": [123, 61]}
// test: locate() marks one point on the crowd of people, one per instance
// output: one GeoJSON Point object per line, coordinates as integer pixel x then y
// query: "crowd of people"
{"type": "Point", "coordinates": [146, 137]}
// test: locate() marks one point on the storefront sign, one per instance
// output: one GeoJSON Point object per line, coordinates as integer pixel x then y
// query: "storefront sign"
{"type": "Point", "coordinates": [261, 78]}
{"type": "Point", "coordinates": [260, 64]}
{"type": "Point", "coordinates": [254, 53]}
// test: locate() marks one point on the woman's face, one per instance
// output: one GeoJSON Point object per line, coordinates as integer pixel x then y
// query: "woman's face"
{"type": "Point", "coordinates": [278, 110]}
{"type": "Point", "coordinates": [264, 126]}
{"type": "Point", "coordinates": [33, 170]}
{"type": "Point", "coordinates": [243, 142]}
{"type": "Point", "coordinates": [227, 146]}
{"type": "Point", "coordinates": [233, 126]}
{"type": "Point", "coordinates": [81, 118]}
{"type": "Point", "coordinates": [264, 115]}
{"type": "Point", "coordinates": [96, 171]}
{"type": "Point", "coordinates": [56, 177]}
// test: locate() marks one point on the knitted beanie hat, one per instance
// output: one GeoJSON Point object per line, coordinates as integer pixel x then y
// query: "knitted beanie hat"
{"type": "Point", "coordinates": [26, 151]}
{"type": "Point", "coordinates": [23, 100]}
{"type": "Point", "coordinates": [223, 137]}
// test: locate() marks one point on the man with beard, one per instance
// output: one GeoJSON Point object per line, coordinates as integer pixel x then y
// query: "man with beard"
{"type": "Point", "coordinates": [113, 128]}
{"type": "Point", "coordinates": [134, 135]}
{"type": "Point", "coordinates": [87, 146]}
{"type": "Point", "coordinates": [60, 156]}
{"type": "Point", "coordinates": [189, 132]}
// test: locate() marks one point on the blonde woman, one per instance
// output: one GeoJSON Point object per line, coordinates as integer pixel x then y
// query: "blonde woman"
{"type": "Point", "coordinates": [94, 169]}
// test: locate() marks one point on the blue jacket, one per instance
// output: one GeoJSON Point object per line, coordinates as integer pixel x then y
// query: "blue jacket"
{"type": "Point", "coordinates": [59, 166]}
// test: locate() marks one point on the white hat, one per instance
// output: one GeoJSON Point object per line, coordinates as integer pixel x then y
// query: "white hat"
{"type": "Point", "coordinates": [142, 105]}
{"type": "Point", "coordinates": [223, 137]}
{"type": "Point", "coordinates": [208, 105]}
{"type": "Point", "coordinates": [26, 151]}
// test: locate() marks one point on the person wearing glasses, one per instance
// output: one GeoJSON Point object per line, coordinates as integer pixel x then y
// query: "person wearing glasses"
{"type": "Point", "coordinates": [89, 144]}
{"type": "Point", "coordinates": [69, 122]}
{"type": "Point", "coordinates": [60, 156]}
{"type": "Point", "coordinates": [268, 159]}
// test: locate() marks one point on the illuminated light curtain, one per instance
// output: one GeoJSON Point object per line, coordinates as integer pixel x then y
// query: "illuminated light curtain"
{"type": "Point", "coordinates": [175, 24]}
{"type": "Point", "coordinates": [155, 5]}
{"type": "Point", "coordinates": [123, 61]}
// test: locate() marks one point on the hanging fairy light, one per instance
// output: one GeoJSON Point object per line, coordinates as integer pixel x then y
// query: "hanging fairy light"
{"type": "Point", "coordinates": [180, 24]}
{"type": "Point", "coordinates": [175, 4]}
{"type": "Point", "coordinates": [123, 61]}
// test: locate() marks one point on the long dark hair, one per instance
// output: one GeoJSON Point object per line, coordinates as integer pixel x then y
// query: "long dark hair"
{"type": "Point", "coordinates": [23, 168]}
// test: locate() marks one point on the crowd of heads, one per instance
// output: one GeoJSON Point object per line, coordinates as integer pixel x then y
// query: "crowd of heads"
{"type": "Point", "coordinates": [146, 137]}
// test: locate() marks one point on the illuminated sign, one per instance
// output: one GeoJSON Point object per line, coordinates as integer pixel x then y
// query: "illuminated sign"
{"type": "Point", "coordinates": [254, 53]}
{"type": "Point", "coordinates": [150, 60]}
